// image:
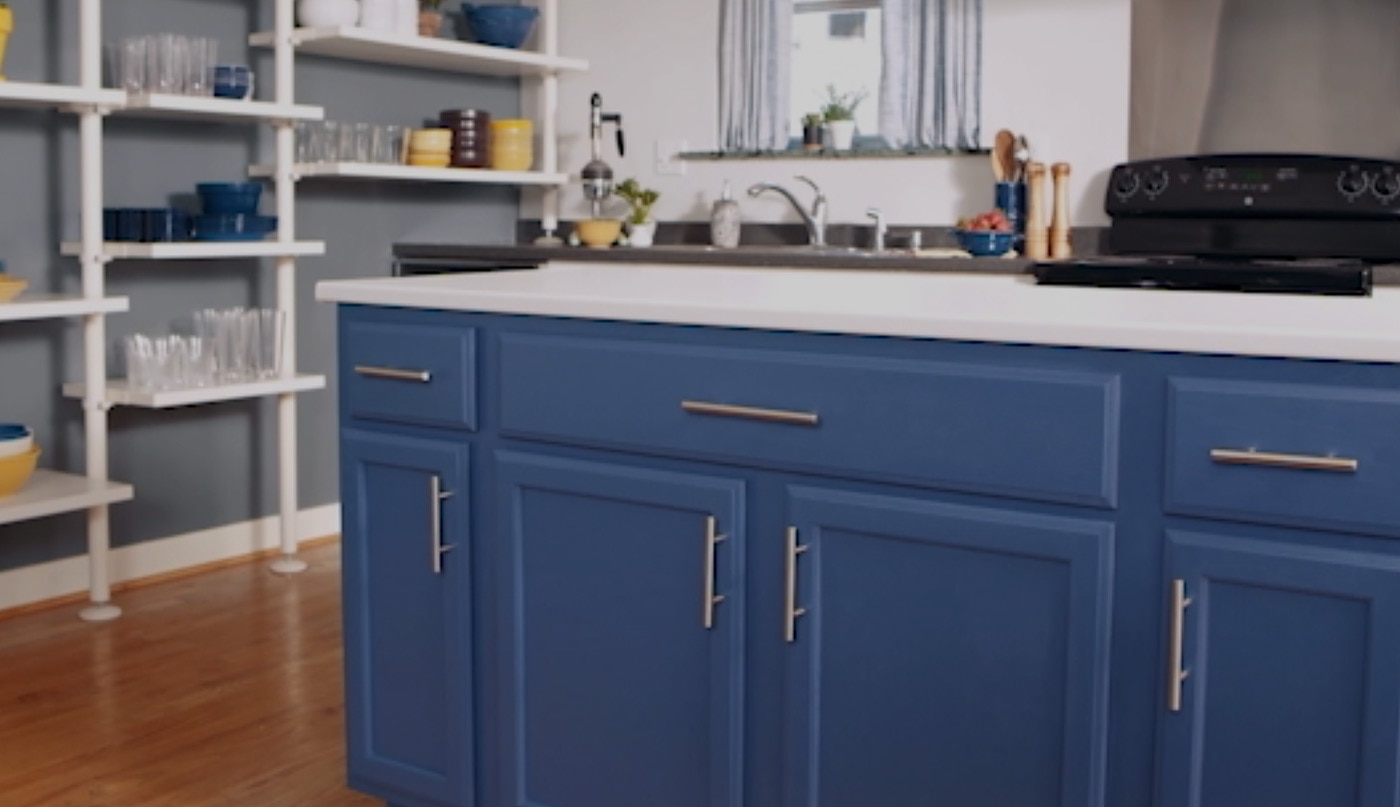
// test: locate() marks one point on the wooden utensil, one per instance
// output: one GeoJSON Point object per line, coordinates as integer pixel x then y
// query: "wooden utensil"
{"type": "Point", "coordinates": [1003, 155]}
{"type": "Point", "coordinates": [1059, 222]}
{"type": "Point", "coordinates": [1037, 240]}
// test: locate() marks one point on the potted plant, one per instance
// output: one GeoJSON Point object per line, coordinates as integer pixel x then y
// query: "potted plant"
{"type": "Point", "coordinates": [839, 112]}
{"type": "Point", "coordinates": [641, 230]}
{"type": "Point", "coordinates": [812, 131]}
{"type": "Point", "coordinates": [429, 17]}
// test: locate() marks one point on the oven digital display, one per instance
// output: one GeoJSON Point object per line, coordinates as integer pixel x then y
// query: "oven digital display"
{"type": "Point", "coordinates": [1273, 181]}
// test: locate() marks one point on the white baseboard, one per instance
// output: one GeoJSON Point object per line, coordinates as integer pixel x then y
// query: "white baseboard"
{"type": "Point", "coordinates": [46, 581]}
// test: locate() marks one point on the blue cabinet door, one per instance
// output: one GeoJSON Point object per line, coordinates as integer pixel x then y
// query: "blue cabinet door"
{"type": "Point", "coordinates": [1289, 675]}
{"type": "Point", "coordinates": [943, 654]}
{"type": "Point", "coordinates": [407, 599]}
{"type": "Point", "coordinates": [623, 648]}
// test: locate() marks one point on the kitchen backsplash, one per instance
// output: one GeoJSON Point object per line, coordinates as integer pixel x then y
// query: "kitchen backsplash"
{"type": "Point", "coordinates": [1212, 76]}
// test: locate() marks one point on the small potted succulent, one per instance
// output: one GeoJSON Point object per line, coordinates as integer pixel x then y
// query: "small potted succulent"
{"type": "Point", "coordinates": [429, 17]}
{"type": "Point", "coordinates": [641, 229]}
{"type": "Point", "coordinates": [812, 124]}
{"type": "Point", "coordinates": [839, 111]}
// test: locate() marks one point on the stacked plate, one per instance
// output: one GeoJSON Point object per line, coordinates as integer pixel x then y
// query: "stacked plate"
{"type": "Point", "coordinates": [471, 136]}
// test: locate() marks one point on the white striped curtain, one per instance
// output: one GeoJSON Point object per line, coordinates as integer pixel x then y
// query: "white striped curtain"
{"type": "Point", "coordinates": [931, 81]}
{"type": "Point", "coordinates": [755, 47]}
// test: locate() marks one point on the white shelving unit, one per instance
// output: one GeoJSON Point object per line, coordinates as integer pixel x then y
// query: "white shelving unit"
{"type": "Point", "coordinates": [55, 306]}
{"type": "Point", "coordinates": [118, 393]}
{"type": "Point", "coordinates": [199, 250]}
{"type": "Point", "coordinates": [429, 53]}
{"type": "Point", "coordinates": [413, 173]}
{"type": "Point", "coordinates": [51, 492]}
{"type": "Point", "coordinates": [362, 45]}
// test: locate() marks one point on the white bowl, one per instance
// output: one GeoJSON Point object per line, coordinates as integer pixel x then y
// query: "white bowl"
{"type": "Point", "coordinates": [18, 445]}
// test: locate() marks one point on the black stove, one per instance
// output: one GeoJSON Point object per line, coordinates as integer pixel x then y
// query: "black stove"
{"type": "Point", "coordinates": [1270, 223]}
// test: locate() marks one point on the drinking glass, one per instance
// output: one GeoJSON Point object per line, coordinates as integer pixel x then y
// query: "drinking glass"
{"type": "Point", "coordinates": [270, 330]}
{"type": "Point", "coordinates": [388, 144]}
{"type": "Point", "coordinates": [203, 55]}
{"type": "Point", "coordinates": [131, 61]}
{"type": "Point", "coordinates": [364, 142]}
{"type": "Point", "coordinates": [345, 142]}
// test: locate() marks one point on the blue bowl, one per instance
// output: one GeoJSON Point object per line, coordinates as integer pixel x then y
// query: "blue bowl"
{"type": "Point", "coordinates": [501, 26]}
{"type": "Point", "coordinates": [229, 198]}
{"type": "Point", "coordinates": [233, 227]}
{"type": "Point", "coordinates": [13, 431]}
{"type": "Point", "coordinates": [985, 243]}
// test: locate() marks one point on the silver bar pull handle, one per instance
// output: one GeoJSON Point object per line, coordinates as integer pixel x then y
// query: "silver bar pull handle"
{"type": "Point", "coordinates": [791, 611]}
{"type": "Point", "coordinates": [393, 373]}
{"type": "Point", "coordinates": [1299, 462]}
{"type": "Point", "coordinates": [712, 542]}
{"type": "Point", "coordinates": [435, 508]}
{"type": "Point", "coordinates": [789, 416]}
{"type": "Point", "coordinates": [1176, 673]}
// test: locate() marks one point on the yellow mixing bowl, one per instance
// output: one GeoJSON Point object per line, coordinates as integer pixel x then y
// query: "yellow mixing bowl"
{"type": "Point", "coordinates": [15, 471]}
{"type": "Point", "coordinates": [598, 233]}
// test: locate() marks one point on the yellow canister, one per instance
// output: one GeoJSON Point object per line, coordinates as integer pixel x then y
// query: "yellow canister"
{"type": "Point", "coordinates": [512, 144]}
{"type": "Point", "coordinates": [7, 24]}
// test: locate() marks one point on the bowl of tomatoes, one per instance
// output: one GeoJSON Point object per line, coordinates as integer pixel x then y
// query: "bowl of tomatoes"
{"type": "Point", "coordinates": [988, 234]}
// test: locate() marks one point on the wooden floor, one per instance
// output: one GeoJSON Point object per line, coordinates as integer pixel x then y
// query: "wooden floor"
{"type": "Point", "coordinates": [222, 688]}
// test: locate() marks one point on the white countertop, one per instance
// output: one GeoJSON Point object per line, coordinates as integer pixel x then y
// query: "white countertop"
{"type": "Point", "coordinates": [939, 305]}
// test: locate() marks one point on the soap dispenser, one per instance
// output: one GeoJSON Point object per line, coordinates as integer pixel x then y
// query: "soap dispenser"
{"type": "Point", "coordinates": [724, 221]}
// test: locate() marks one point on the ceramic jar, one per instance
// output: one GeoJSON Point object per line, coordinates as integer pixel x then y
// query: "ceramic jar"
{"type": "Point", "coordinates": [327, 13]}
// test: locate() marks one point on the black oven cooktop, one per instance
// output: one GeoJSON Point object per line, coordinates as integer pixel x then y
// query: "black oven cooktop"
{"type": "Point", "coordinates": [1285, 223]}
{"type": "Point", "coordinates": [1184, 272]}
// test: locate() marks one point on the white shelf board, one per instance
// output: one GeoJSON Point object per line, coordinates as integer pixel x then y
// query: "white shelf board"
{"type": "Point", "coordinates": [49, 493]}
{"type": "Point", "coordinates": [119, 394]}
{"type": "Point", "coordinates": [360, 44]}
{"type": "Point", "coordinates": [414, 173]}
{"type": "Point", "coordinates": [194, 250]}
{"type": "Point", "coordinates": [197, 107]}
{"type": "Point", "coordinates": [56, 96]}
{"type": "Point", "coordinates": [50, 306]}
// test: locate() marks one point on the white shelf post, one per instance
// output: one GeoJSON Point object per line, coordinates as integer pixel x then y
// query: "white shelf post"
{"type": "Point", "coordinates": [100, 607]}
{"type": "Point", "coordinates": [285, 183]}
{"type": "Point", "coordinates": [549, 118]}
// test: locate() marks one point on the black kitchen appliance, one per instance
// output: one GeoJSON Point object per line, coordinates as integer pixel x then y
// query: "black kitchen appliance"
{"type": "Point", "coordinates": [1245, 222]}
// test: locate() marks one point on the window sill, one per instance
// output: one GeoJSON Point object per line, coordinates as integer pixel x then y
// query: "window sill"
{"type": "Point", "coordinates": [873, 153]}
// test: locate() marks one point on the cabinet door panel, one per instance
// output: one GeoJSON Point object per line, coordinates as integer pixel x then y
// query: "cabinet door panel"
{"type": "Point", "coordinates": [1292, 692]}
{"type": "Point", "coordinates": [407, 627]}
{"type": "Point", "coordinates": [948, 655]}
{"type": "Point", "coordinates": [620, 695]}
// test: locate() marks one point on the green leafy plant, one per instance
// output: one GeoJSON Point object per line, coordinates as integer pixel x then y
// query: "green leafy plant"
{"type": "Point", "coordinates": [429, 5]}
{"type": "Point", "coordinates": [639, 200]}
{"type": "Point", "coordinates": [841, 105]}
{"type": "Point", "coordinates": [813, 119]}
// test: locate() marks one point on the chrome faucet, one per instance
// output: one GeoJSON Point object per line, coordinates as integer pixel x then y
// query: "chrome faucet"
{"type": "Point", "coordinates": [877, 238]}
{"type": "Point", "coordinates": [815, 220]}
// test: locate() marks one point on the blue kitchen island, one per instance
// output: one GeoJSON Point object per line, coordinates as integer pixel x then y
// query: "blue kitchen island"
{"type": "Point", "coordinates": [670, 536]}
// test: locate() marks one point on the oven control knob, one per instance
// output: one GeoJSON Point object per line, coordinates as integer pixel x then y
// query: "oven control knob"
{"type": "Point", "coordinates": [1126, 183]}
{"type": "Point", "coordinates": [1386, 186]}
{"type": "Point", "coordinates": [1157, 181]}
{"type": "Point", "coordinates": [1353, 182]}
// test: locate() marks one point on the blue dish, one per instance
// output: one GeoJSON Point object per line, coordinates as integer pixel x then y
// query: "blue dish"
{"type": "Point", "coordinates": [229, 198]}
{"type": "Point", "coordinates": [986, 243]}
{"type": "Point", "coordinates": [501, 26]}
{"type": "Point", "coordinates": [233, 227]}
{"type": "Point", "coordinates": [232, 81]}
{"type": "Point", "coordinates": [13, 431]}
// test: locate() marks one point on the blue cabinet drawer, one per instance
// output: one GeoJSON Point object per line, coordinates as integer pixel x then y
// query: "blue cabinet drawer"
{"type": "Point", "coordinates": [1290, 454]}
{"type": "Point", "coordinates": [419, 374]}
{"type": "Point", "coordinates": [1005, 430]}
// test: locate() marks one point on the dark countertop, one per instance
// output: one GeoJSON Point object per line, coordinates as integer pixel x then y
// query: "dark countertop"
{"type": "Point", "coordinates": [764, 246]}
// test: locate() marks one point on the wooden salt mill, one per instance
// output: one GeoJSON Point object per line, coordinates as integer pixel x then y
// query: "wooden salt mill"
{"type": "Point", "coordinates": [1059, 222]}
{"type": "Point", "coordinates": [1037, 240]}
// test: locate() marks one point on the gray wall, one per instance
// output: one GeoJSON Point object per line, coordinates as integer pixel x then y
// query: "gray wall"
{"type": "Point", "coordinates": [202, 466]}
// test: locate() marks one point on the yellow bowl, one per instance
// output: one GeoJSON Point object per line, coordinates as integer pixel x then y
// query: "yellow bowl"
{"type": "Point", "coordinates": [10, 287]}
{"type": "Point", "coordinates": [430, 140]}
{"type": "Point", "coordinates": [598, 233]}
{"type": "Point", "coordinates": [428, 159]}
{"type": "Point", "coordinates": [15, 471]}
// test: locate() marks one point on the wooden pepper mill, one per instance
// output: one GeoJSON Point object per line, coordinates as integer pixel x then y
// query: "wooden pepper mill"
{"type": "Point", "coordinates": [1037, 239]}
{"type": "Point", "coordinates": [1059, 222]}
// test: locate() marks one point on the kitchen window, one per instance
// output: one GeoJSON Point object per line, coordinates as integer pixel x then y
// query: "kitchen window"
{"type": "Point", "coordinates": [836, 47]}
